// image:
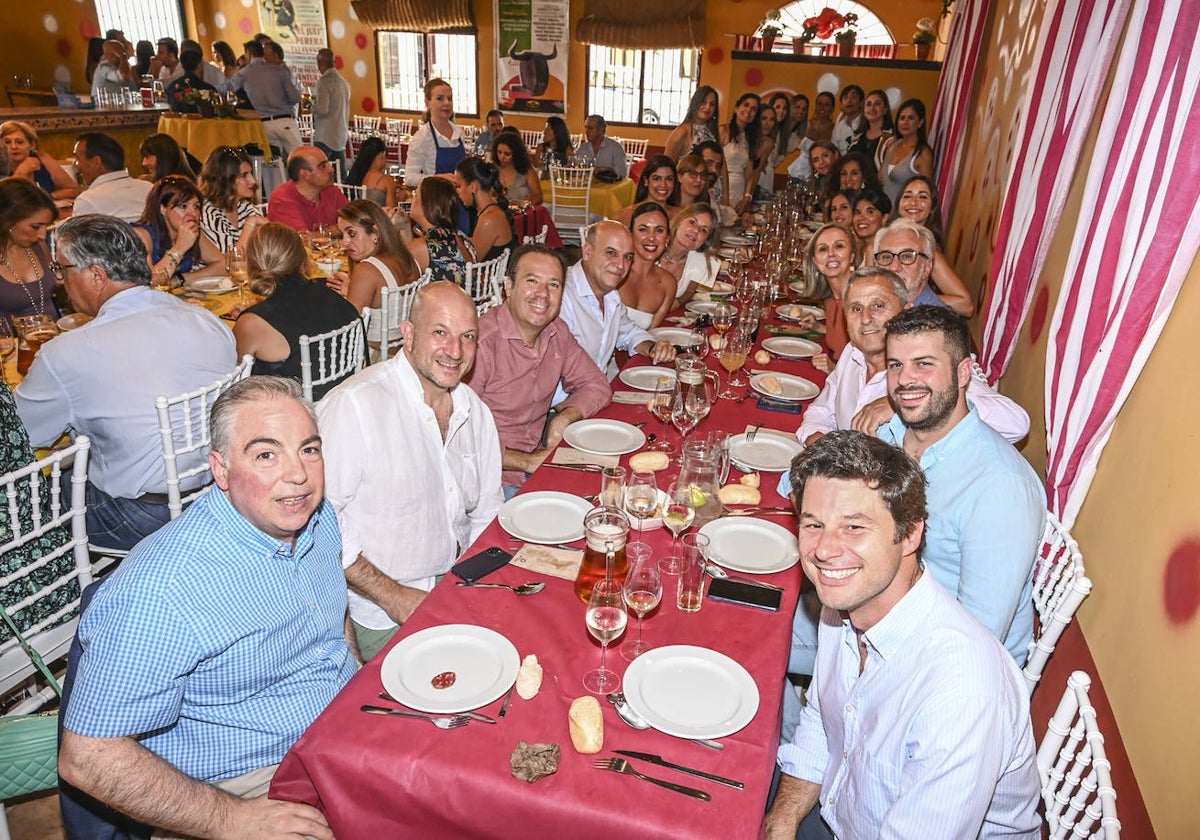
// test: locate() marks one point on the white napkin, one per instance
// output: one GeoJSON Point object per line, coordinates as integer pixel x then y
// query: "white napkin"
{"type": "Point", "coordinates": [567, 455]}
{"type": "Point", "coordinates": [632, 397]}
{"type": "Point", "coordinates": [554, 562]}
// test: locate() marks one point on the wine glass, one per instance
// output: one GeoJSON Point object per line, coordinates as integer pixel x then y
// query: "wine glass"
{"type": "Point", "coordinates": [660, 407]}
{"type": "Point", "coordinates": [732, 356]}
{"type": "Point", "coordinates": [722, 317]}
{"type": "Point", "coordinates": [677, 517]}
{"type": "Point", "coordinates": [696, 343]}
{"type": "Point", "coordinates": [641, 497]}
{"type": "Point", "coordinates": [606, 619]}
{"type": "Point", "coordinates": [685, 412]}
{"type": "Point", "coordinates": [643, 591]}
{"type": "Point", "coordinates": [235, 264]}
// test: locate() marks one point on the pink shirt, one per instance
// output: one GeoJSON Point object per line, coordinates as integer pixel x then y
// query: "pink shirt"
{"type": "Point", "coordinates": [517, 382]}
{"type": "Point", "coordinates": [290, 208]}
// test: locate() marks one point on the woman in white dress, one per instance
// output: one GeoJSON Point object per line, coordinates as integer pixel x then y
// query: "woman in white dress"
{"type": "Point", "coordinates": [739, 138]}
{"type": "Point", "coordinates": [648, 292]}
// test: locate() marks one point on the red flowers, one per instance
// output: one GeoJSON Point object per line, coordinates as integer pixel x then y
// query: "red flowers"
{"type": "Point", "coordinates": [828, 22]}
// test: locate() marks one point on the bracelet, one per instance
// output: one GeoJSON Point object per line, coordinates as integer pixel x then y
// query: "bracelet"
{"type": "Point", "coordinates": [172, 256]}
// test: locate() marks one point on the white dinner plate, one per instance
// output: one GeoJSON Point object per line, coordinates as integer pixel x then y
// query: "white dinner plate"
{"type": "Point", "coordinates": [71, 322]}
{"type": "Point", "coordinates": [483, 662]}
{"type": "Point", "coordinates": [544, 516]}
{"type": "Point", "coordinates": [795, 388]}
{"type": "Point", "coordinates": [737, 239]}
{"type": "Point", "coordinates": [604, 437]}
{"type": "Point", "coordinates": [645, 378]}
{"type": "Point", "coordinates": [691, 692]}
{"type": "Point", "coordinates": [798, 311]}
{"type": "Point", "coordinates": [720, 287]}
{"type": "Point", "coordinates": [790, 347]}
{"type": "Point", "coordinates": [210, 285]}
{"type": "Point", "coordinates": [753, 546]}
{"type": "Point", "coordinates": [768, 452]}
{"type": "Point", "coordinates": [704, 307]}
{"type": "Point", "coordinates": [671, 335]}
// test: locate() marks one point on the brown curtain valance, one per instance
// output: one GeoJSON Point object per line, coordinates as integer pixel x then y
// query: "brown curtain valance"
{"type": "Point", "coordinates": [662, 25]}
{"type": "Point", "coordinates": [416, 15]}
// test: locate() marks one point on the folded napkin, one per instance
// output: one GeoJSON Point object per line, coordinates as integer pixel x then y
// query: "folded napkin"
{"type": "Point", "coordinates": [552, 562]}
{"type": "Point", "coordinates": [682, 320]}
{"type": "Point", "coordinates": [778, 432]}
{"type": "Point", "coordinates": [632, 397]}
{"type": "Point", "coordinates": [567, 455]}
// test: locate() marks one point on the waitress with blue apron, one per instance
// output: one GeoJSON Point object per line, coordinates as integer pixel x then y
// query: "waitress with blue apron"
{"type": "Point", "coordinates": [437, 147]}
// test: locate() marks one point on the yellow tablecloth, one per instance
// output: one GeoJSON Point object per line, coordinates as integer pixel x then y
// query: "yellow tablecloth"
{"type": "Point", "coordinates": [608, 200]}
{"type": "Point", "coordinates": [200, 137]}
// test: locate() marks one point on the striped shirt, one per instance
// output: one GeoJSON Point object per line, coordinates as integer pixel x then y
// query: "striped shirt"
{"type": "Point", "coordinates": [215, 644]}
{"type": "Point", "coordinates": [932, 740]}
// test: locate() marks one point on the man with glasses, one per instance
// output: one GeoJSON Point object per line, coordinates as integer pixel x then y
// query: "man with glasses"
{"type": "Point", "coordinates": [600, 150]}
{"type": "Point", "coordinates": [101, 380]}
{"type": "Point", "coordinates": [309, 200]}
{"type": "Point", "coordinates": [908, 249]}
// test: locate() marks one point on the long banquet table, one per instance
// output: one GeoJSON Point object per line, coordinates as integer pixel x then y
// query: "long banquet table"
{"type": "Point", "coordinates": [377, 777]}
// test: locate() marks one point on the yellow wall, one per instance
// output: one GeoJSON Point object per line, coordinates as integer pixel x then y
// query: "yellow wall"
{"type": "Point", "coordinates": [49, 42]}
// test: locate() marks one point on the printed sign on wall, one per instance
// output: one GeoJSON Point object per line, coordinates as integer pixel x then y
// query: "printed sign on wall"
{"type": "Point", "coordinates": [299, 27]}
{"type": "Point", "coordinates": [531, 55]}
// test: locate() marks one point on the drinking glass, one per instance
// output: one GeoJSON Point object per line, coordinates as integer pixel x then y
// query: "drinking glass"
{"type": "Point", "coordinates": [732, 357]}
{"type": "Point", "coordinates": [606, 619]}
{"type": "Point", "coordinates": [643, 591]}
{"type": "Point", "coordinates": [235, 264]}
{"type": "Point", "coordinates": [8, 349]}
{"type": "Point", "coordinates": [685, 412]}
{"type": "Point", "coordinates": [612, 487]}
{"type": "Point", "coordinates": [641, 497]}
{"type": "Point", "coordinates": [677, 517]}
{"type": "Point", "coordinates": [722, 317]}
{"type": "Point", "coordinates": [660, 407]}
{"type": "Point", "coordinates": [691, 574]}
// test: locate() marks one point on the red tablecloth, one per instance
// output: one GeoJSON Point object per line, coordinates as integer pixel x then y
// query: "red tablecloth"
{"type": "Point", "coordinates": [386, 777]}
{"type": "Point", "coordinates": [531, 221]}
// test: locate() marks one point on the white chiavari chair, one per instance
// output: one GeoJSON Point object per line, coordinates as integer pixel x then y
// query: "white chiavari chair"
{"type": "Point", "coordinates": [1059, 587]}
{"type": "Point", "coordinates": [570, 199]}
{"type": "Point", "coordinates": [485, 282]}
{"type": "Point", "coordinates": [394, 308]}
{"type": "Point", "coordinates": [339, 353]}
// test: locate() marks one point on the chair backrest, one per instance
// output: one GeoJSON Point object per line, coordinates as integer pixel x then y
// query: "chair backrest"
{"type": "Point", "coordinates": [469, 133]}
{"type": "Point", "coordinates": [45, 509]}
{"type": "Point", "coordinates": [339, 352]}
{"type": "Point", "coordinates": [1059, 587]}
{"type": "Point", "coordinates": [304, 123]}
{"type": "Point", "coordinates": [398, 126]}
{"type": "Point", "coordinates": [1075, 772]}
{"type": "Point", "coordinates": [532, 139]}
{"type": "Point", "coordinates": [352, 192]}
{"type": "Point", "coordinates": [635, 150]}
{"type": "Point", "coordinates": [485, 282]}
{"type": "Point", "coordinates": [537, 237]}
{"type": "Point", "coordinates": [570, 198]}
{"type": "Point", "coordinates": [183, 427]}
{"type": "Point", "coordinates": [366, 124]}
{"type": "Point", "coordinates": [395, 305]}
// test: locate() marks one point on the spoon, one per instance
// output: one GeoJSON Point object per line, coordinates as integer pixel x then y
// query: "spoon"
{"type": "Point", "coordinates": [625, 713]}
{"type": "Point", "coordinates": [522, 589]}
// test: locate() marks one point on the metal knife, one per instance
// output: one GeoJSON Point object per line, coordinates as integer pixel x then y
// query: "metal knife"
{"type": "Point", "coordinates": [576, 467]}
{"type": "Point", "coordinates": [662, 762]}
{"type": "Point", "coordinates": [482, 718]}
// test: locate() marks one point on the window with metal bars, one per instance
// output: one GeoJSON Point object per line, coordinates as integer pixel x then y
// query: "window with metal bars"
{"type": "Point", "coordinates": [641, 87]}
{"type": "Point", "coordinates": [407, 60]}
{"type": "Point", "coordinates": [142, 20]}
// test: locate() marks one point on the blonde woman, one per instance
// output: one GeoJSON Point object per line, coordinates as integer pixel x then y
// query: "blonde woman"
{"type": "Point", "coordinates": [21, 141]}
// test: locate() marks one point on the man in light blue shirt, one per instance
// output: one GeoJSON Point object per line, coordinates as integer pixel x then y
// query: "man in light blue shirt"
{"type": "Point", "coordinates": [273, 93]}
{"type": "Point", "coordinates": [220, 638]}
{"type": "Point", "coordinates": [600, 150]}
{"type": "Point", "coordinates": [917, 722]}
{"type": "Point", "coordinates": [483, 142]}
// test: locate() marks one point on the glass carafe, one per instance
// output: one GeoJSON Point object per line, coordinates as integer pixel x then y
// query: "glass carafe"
{"type": "Point", "coordinates": [701, 473]}
{"type": "Point", "coordinates": [605, 530]}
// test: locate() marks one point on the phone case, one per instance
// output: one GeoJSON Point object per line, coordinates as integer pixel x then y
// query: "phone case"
{"type": "Point", "coordinates": [482, 564]}
{"type": "Point", "coordinates": [746, 594]}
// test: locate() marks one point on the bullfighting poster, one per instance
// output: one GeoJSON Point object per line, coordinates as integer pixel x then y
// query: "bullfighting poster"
{"type": "Point", "coordinates": [532, 47]}
{"type": "Point", "coordinates": [299, 27]}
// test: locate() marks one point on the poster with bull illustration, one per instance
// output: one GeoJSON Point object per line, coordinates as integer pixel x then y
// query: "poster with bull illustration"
{"type": "Point", "coordinates": [531, 55]}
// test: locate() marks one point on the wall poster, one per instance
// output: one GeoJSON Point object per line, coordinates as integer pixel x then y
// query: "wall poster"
{"type": "Point", "coordinates": [531, 55]}
{"type": "Point", "coordinates": [299, 27]}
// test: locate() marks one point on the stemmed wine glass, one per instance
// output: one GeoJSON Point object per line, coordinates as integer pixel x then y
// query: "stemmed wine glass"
{"type": "Point", "coordinates": [641, 497]}
{"type": "Point", "coordinates": [606, 619]}
{"type": "Point", "coordinates": [660, 407]}
{"type": "Point", "coordinates": [235, 264]}
{"type": "Point", "coordinates": [732, 356]}
{"type": "Point", "coordinates": [643, 591]}
{"type": "Point", "coordinates": [722, 317]}
{"type": "Point", "coordinates": [686, 410]}
{"type": "Point", "coordinates": [678, 516]}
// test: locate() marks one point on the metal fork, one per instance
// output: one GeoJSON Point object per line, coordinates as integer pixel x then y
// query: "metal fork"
{"type": "Point", "coordinates": [441, 722]}
{"type": "Point", "coordinates": [753, 433]}
{"type": "Point", "coordinates": [620, 765]}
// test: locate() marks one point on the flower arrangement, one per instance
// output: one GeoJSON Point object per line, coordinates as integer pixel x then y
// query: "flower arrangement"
{"type": "Point", "coordinates": [770, 27]}
{"type": "Point", "coordinates": [830, 24]}
{"type": "Point", "coordinates": [925, 33]}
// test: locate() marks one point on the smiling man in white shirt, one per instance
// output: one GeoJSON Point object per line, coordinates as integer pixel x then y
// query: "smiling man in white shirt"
{"type": "Point", "coordinates": [412, 460]}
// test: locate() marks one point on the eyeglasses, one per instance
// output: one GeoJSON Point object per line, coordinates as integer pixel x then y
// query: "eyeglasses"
{"type": "Point", "coordinates": [907, 257]}
{"type": "Point", "coordinates": [60, 269]}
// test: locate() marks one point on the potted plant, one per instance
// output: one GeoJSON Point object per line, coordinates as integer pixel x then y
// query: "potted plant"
{"type": "Point", "coordinates": [845, 34]}
{"type": "Point", "coordinates": [923, 38]}
{"type": "Point", "coordinates": [770, 29]}
{"type": "Point", "coordinates": [803, 44]}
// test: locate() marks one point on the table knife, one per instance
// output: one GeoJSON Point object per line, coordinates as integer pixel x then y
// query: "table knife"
{"type": "Point", "coordinates": [482, 718]}
{"type": "Point", "coordinates": [662, 762]}
{"type": "Point", "coordinates": [576, 467]}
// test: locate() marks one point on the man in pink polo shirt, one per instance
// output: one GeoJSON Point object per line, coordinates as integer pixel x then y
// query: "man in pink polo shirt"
{"type": "Point", "coordinates": [525, 350]}
{"type": "Point", "coordinates": [309, 199]}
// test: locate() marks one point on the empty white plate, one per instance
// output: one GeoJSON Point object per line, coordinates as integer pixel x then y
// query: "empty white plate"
{"type": "Point", "coordinates": [790, 347]}
{"type": "Point", "coordinates": [691, 692]}
{"type": "Point", "coordinates": [604, 437]}
{"type": "Point", "coordinates": [644, 378]}
{"type": "Point", "coordinates": [544, 516]}
{"type": "Point", "coordinates": [753, 546]}
{"type": "Point", "coordinates": [767, 453]}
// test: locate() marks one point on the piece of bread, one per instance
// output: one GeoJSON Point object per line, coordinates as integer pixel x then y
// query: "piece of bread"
{"type": "Point", "coordinates": [762, 357]}
{"type": "Point", "coordinates": [739, 494]}
{"type": "Point", "coordinates": [529, 678]}
{"type": "Point", "coordinates": [586, 722]}
{"type": "Point", "coordinates": [771, 385]}
{"type": "Point", "coordinates": [649, 462]}
{"type": "Point", "coordinates": [750, 480]}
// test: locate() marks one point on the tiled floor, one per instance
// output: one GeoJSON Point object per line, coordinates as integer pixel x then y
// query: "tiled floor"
{"type": "Point", "coordinates": [35, 818]}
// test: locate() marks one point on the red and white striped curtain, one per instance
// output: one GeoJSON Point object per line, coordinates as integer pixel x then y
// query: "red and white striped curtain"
{"type": "Point", "coordinates": [1076, 45]}
{"type": "Point", "coordinates": [948, 123]}
{"type": "Point", "coordinates": [1133, 248]}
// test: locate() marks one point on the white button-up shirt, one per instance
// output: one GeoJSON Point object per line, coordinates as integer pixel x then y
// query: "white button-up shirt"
{"type": "Point", "coordinates": [406, 500]}
{"type": "Point", "coordinates": [114, 194]}
{"type": "Point", "coordinates": [601, 332]}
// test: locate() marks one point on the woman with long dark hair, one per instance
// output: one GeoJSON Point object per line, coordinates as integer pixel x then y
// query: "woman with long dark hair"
{"type": "Point", "coordinates": [370, 172]}
{"type": "Point", "coordinates": [378, 259]}
{"type": "Point", "coordinates": [700, 123]}
{"type": "Point", "coordinates": [477, 183]}
{"type": "Point", "coordinates": [657, 183]}
{"type": "Point", "coordinates": [740, 141]}
{"type": "Point", "coordinates": [555, 148]}
{"type": "Point", "coordinates": [518, 175]}
{"type": "Point", "coordinates": [907, 153]}
{"type": "Point", "coordinates": [875, 125]}
{"type": "Point", "coordinates": [439, 247]}
{"type": "Point", "coordinates": [223, 57]}
{"type": "Point", "coordinates": [161, 156]}
{"type": "Point", "coordinates": [229, 188]}
{"type": "Point", "coordinates": [170, 230]}
{"type": "Point", "coordinates": [26, 281]}
{"type": "Point", "coordinates": [648, 291]}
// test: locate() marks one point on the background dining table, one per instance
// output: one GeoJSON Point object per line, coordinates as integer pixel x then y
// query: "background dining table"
{"type": "Point", "coordinates": [201, 135]}
{"type": "Point", "coordinates": [607, 200]}
{"type": "Point", "coordinates": [376, 776]}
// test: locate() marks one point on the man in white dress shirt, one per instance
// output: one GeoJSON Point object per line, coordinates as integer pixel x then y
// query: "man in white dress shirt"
{"type": "Point", "coordinates": [110, 189]}
{"type": "Point", "coordinates": [412, 465]}
{"type": "Point", "coordinates": [592, 306]}
{"type": "Point", "coordinates": [917, 722]}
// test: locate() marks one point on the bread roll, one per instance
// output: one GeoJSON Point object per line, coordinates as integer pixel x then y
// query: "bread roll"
{"type": "Point", "coordinates": [587, 725]}
{"type": "Point", "coordinates": [649, 461]}
{"type": "Point", "coordinates": [739, 494]}
{"type": "Point", "coordinates": [529, 678]}
{"type": "Point", "coordinates": [750, 480]}
{"type": "Point", "coordinates": [771, 385]}
{"type": "Point", "coordinates": [762, 357]}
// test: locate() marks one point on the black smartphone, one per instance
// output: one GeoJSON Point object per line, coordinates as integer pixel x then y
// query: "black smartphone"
{"type": "Point", "coordinates": [482, 564]}
{"type": "Point", "coordinates": [746, 594]}
{"type": "Point", "coordinates": [767, 404]}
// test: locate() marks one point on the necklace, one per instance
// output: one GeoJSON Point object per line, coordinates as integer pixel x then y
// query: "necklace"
{"type": "Point", "coordinates": [666, 260]}
{"type": "Point", "coordinates": [39, 305]}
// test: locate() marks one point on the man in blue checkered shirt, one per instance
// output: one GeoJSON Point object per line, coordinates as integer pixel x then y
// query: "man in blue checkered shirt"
{"type": "Point", "coordinates": [220, 638]}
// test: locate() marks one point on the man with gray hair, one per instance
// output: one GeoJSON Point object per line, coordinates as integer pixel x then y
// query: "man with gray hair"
{"type": "Point", "coordinates": [909, 249]}
{"type": "Point", "coordinates": [206, 655]}
{"type": "Point", "coordinates": [599, 150]}
{"type": "Point", "coordinates": [101, 379]}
